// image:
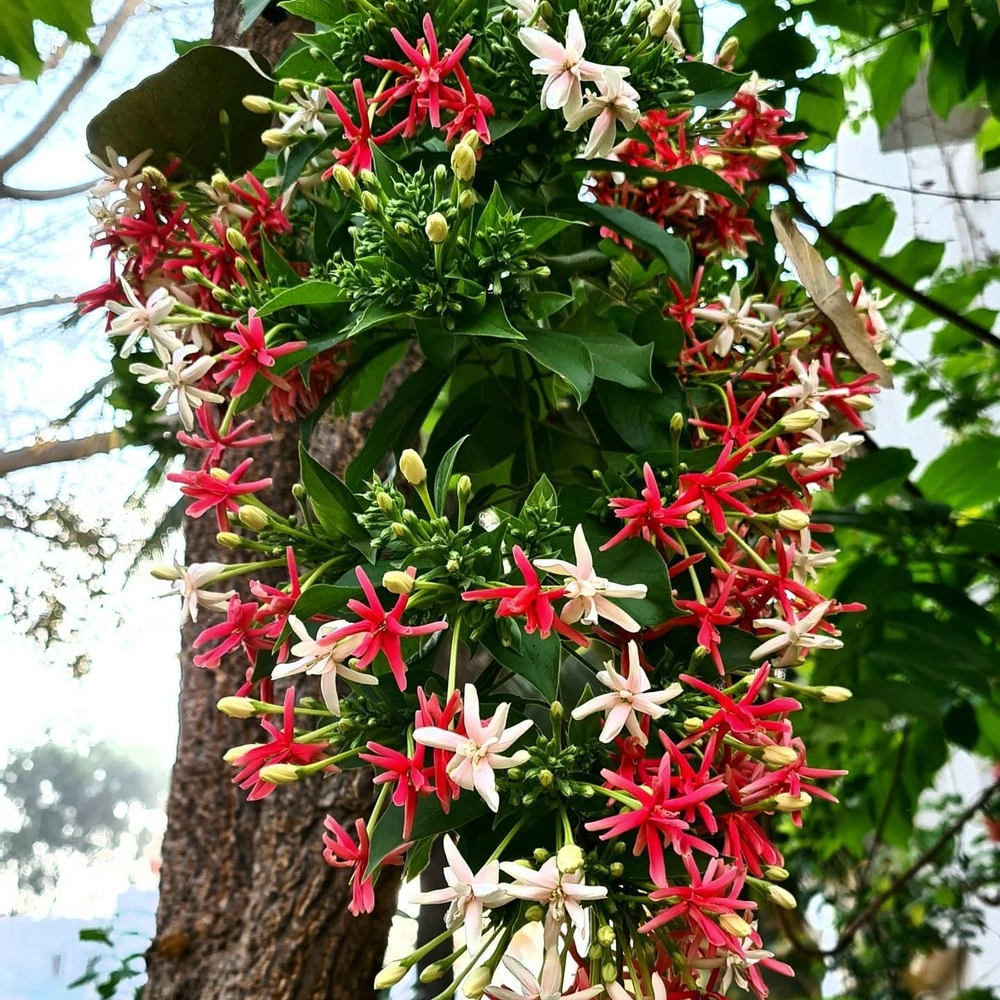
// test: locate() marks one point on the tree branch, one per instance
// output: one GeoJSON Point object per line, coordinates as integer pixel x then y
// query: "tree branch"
{"type": "Point", "coordinates": [887, 278]}
{"type": "Point", "coordinates": [50, 452]}
{"type": "Point", "coordinates": [23, 194]}
{"type": "Point", "coordinates": [83, 76]}
{"type": "Point", "coordinates": [52, 300]}
{"type": "Point", "coordinates": [950, 195]}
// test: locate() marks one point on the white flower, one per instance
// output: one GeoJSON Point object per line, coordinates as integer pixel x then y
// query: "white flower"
{"type": "Point", "coordinates": [792, 637]}
{"type": "Point", "coordinates": [615, 101]}
{"type": "Point", "coordinates": [189, 583]}
{"type": "Point", "coordinates": [629, 697]}
{"type": "Point", "coordinates": [470, 893]}
{"type": "Point", "coordinates": [306, 117]}
{"type": "Point", "coordinates": [808, 392]}
{"type": "Point", "coordinates": [324, 658]}
{"type": "Point", "coordinates": [525, 11]}
{"type": "Point", "coordinates": [589, 593]}
{"type": "Point", "coordinates": [804, 562]}
{"type": "Point", "coordinates": [117, 175]}
{"type": "Point", "coordinates": [819, 450]}
{"type": "Point", "coordinates": [563, 66]}
{"type": "Point", "coordinates": [547, 987]}
{"type": "Point", "coordinates": [736, 324]}
{"type": "Point", "coordinates": [135, 319]}
{"type": "Point", "coordinates": [618, 992]}
{"type": "Point", "coordinates": [735, 966]}
{"type": "Point", "coordinates": [562, 892]}
{"type": "Point", "coordinates": [479, 753]}
{"type": "Point", "coordinates": [663, 21]}
{"type": "Point", "coordinates": [179, 378]}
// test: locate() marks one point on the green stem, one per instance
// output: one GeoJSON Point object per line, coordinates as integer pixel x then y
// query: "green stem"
{"type": "Point", "coordinates": [453, 655]}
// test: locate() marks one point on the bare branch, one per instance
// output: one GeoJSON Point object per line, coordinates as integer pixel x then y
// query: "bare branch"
{"type": "Point", "coordinates": [83, 76]}
{"type": "Point", "coordinates": [22, 194]}
{"type": "Point", "coordinates": [50, 452]}
{"type": "Point", "coordinates": [52, 300]}
{"type": "Point", "coordinates": [884, 185]}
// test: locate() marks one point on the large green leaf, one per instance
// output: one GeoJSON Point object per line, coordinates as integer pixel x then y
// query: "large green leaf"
{"type": "Point", "coordinates": [713, 87]}
{"type": "Point", "coordinates": [965, 475]}
{"type": "Point", "coordinates": [17, 29]}
{"type": "Point", "coordinates": [892, 73]}
{"type": "Point", "coordinates": [309, 293]}
{"type": "Point", "coordinates": [534, 658]}
{"type": "Point", "coordinates": [641, 419]}
{"type": "Point", "coordinates": [875, 475]}
{"type": "Point", "coordinates": [564, 354]}
{"type": "Point", "coordinates": [192, 110]}
{"type": "Point", "coordinates": [332, 502]}
{"type": "Point", "coordinates": [619, 359]}
{"type": "Point", "coordinates": [646, 233]}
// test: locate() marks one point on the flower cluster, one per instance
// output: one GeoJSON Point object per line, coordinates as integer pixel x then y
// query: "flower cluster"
{"type": "Point", "coordinates": [586, 638]}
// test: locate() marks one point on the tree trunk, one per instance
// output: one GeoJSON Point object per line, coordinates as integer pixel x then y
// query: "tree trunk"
{"type": "Point", "coordinates": [248, 909]}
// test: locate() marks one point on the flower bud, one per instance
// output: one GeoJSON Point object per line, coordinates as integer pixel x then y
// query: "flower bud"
{"type": "Point", "coordinates": [546, 778]}
{"type": "Point", "coordinates": [534, 913]}
{"type": "Point", "coordinates": [793, 341]}
{"type": "Point", "coordinates": [436, 228]}
{"type": "Point", "coordinates": [463, 162]}
{"type": "Point", "coordinates": [735, 925]}
{"type": "Point", "coordinates": [229, 540]}
{"type": "Point", "coordinates": [781, 897]}
{"type": "Point", "coordinates": [775, 873]}
{"type": "Point", "coordinates": [397, 582]}
{"type": "Point", "coordinates": [257, 104]}
{"type": "Point", "coordinates": [236, 239]}
{"type": "Point", "coordinates": [676, 423]}
{"type": "Point", "coordinates": [799, 420]}
{"type": "Point", "coordinates": [434, 972]}
{"type": "Point", "coordinates": [834, 695]}
{"type": "Point", "coordinates": [693, 517]}
{"type": "Point", "coordinates": [606, 935]}
{"type": "Point", "coordinates": [369, 202]}
{"type": "Point", "coordinates": [813, 454]}
{"type": "Point", "coordinates": [464, 488]}
{"type": "Point", "coordinates": [234, 754]}
{"type": "Point", "coordinates": [470, 139]}
{"type": "Point", "coordinates": [787, 803]}
{"type": "Point", "coordinates": [691, 725]}
{"type": "Point", "coordinates": [154, 177]}
{"type": "Point", "coordinates": [274, 138]}
{"type": "Point", "coordinates": [253, 517]}
{"type": "Point", "coordinates": [367, 178]}
{"type": "Point", "coordinates": [609, 972]}
{"type": "Point", "coordinates": [793, 519]}
{"type": "Point", "coordinates": [728, 50]}
{"type": "Point", "coordinates": [659, 21]}
{"type": "Point", "coordinates": [344, 178]}
{"type": "Point", "coordinates": [220, 183]}
{"type": "Point", "coordinates": [768, 152]}
{"type": "Point", "coordinates": [476, 982]}
{"type": "Point", "coordinates": [541, 855]}
{"type": "Point", "coordinates": [779, 756]}
{"type": "Point", "coordinates": [594, 952]}
{"type": "Point", "coordinates": [399, 530]}
{"type": "Point", "coordinates": [413, 468]}
{"type": "Point", "coordinates": [860, 403]}
{"type": "Point", "coordinates": [236, 708]}
{"type": "Point", "coordinates": [279, 774]}
{"type": "Point", "coordinates": [569, 859]}
{"type": "Point", "coordinates": [390, 975]}
{"type": "Point", "coordinates": [467, 200]}
{"type": "Point", "coordinates": [617, 869]}
{"type": "Point", "coordinates": [164, 573]}
{"type": "Point", "coordinates": [713, 161]}
{"type": "Point", "coordinates": [385, 504]}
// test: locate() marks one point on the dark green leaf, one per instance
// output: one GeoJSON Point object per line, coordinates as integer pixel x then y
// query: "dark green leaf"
{"type": "Point", "coordinates": [443, 475]}
{"type": "Point", "coordinates": [891, 75]}
{"type": "Point", "coordinates": [875, 475]}
{"type": "Point", "coordinates": [537, 660]}
{"type": "Point", "coordinates": [179, 111]}
{"type": "Point", "coordinates": [309, 293]}
{"type": "Point", "coordinates": [619, 359]}
{"type": "Point", "coordinates": [692, 176]}
{"type": "Point", "coordinates": [17, 29]}
{"type": "Point", "coordinates": [275, 265]}
{"type": "Point", "coordinates": [965, 475]}
{"type": "Point", "coordinates": [641, 419]}
{"type": "Point", "coordinates": [541, 305]}
{"type": "Point", "coordinates": [323, 599]}
{"type": "Point", "coordinates": [565, 355]}
{"type": "Point", "coordinates": [319, 11]}
{"type": "Point", "coordinates": [674, 252]}
{"type": "Point", "coordinates": [331, 500]}
{"type": "Point", "coordinates": [491, 322]}
{"type": "Point", "coordinates": [713, 87]}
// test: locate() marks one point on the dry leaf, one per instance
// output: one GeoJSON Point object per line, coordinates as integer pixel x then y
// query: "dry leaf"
{"type": "Point", "coordinates": [829, 297]}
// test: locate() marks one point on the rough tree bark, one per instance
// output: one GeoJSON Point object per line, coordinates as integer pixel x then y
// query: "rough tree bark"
{"type": "Point", "coordinates": [248, 909]}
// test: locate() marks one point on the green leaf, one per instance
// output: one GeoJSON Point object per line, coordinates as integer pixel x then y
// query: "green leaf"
{"type": "Point", "coordinates": [17, 29]}
{"type": "Point", "coordinates": [619, 359]}
{"type": "Point", "coordinates": [537, 660]}
{"type": "Point", "coordinates": [867, 226]}
{"type": "Point", "coordinates": [309, 293]}
{"type": "Point", "coordinates": [713, 87]}
{"type": "Point", "coordinates": [430, 820]}
{"type": "Point", "coordinates": [693, 176]}
{"type": "Point", "coordinates": [991, 72]}
{"type": "Point", "coordinates": [540, 229]}
{"type": "Point", "coordinates": [641, 419]}
{"type": "Point", "coordinates": [875, 475]}
{"type": "Point", "coordinates": [564, 354]}
{"type": "Point", "coordinates": [323, 599]}
{"type": "Point", "coordinates": [250, 10]}
{"type": "Point", "coordinates": [956, 19]}
{"type": "Point", "coordinates": [891, 74]}
{"type": "Point", "coordinates": [918, 259]}
{"type": "Point", "coordinates": [634, 561]}
{"type": "Point", "coordinates": [178, 112]}
{"type": "Point", "coordinates": [955, 68]}
{"type": "Point", "coordinates": [332, 501]}
{"type": "Point", "coordinates": [822, 107]}
{"type": "Point", "coordinates": [275, 265]}
{"type": "Point", "coordinates": [543, 492]}
{"type": "Point", "coordinates": [443, 475]}
{"type": "Point", "coordinates": [328, 12]}
{"type": "Point", "coordinates": [491, 322]}
{"type": "Point", "coordinates": [674, 252]}
{"type": "Point", "coordinates": [965, 475]}
{"type": "Point", "coordinates": [542, 305]}
{"type": "Point", "coordinates": [102, 935]}
{"type": "Point", "coordinates": [399, 423]}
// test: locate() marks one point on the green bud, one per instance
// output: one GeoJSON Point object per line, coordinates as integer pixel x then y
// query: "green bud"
{"type": "Point", "coordinates": [534, 913]}
{"type": "Point", "coordinates": [436, 228]}
{"type": "Point", "coordinates": [257, 104]}
{"type": "Point", "coordinates": [369, 202]}
{"type": "Point", "coordinates": [606, 935]}
{"type": "Point", "coordinates": [344, 178]}
{"type": "Point", "coordinates": [617, 869]}
{"type": "Point", "coordinates": [229, 540]}
{"type": "Point", "coordinates": [389, 976]}
{"type": "Point", "coordinates": [253, 517]}
{"type": "Point", "coordinates": [274, 138]}
{"type": "Point", "coordinates": [463, 162]}
{"type": "Point", "coordinates": [775, 873]}
{"type": "Point", "coordinates": [545, 778]}
{"type": "Point", "coordinates": [385, 504]}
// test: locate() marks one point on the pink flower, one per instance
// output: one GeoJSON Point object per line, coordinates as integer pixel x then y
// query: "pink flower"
{"type": "Point", "coordinates": [358, 155]}
{"type": "Point", "coordinates": [215, 442]}
{"type": "Point", "coordinates": [252, 356]}
{"type": "Point", "coordinates": [406, 772]}
{"type": "Point", "coordinates": [242, 627]}
{"type": "Point", "coordinates": [716, 487]}
{"type": "Point", "coordinates": [479, 753]}
{"type": "Point", "coordinates": [341, 852]}
{"type": "Point", "coordinates": [431, 713]}
{"type": "Point", "coordinates": [707, 617]}
{"type": "Point", "coordinates": [547, 987]}
{"type": "Point", "coordinates": [382, 630]}
{"type": "Point", "coordinates": [529, 601]}
{"type": "Point", "coordinates": [281, 750]}
{"type": "Point", "coordinates": [647, 517]}
{"type": "Point", "coordinates": [218, 489]}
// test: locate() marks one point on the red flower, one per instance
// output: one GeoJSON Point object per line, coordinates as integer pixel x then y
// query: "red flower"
{"type": "Point", "coordinates": [529, 601]}
{"type": "Point", "coordinates": [423, 81]}
{"type": "Point", "coordinates": [406, 772]}
{"type": "Point", "coordinates": [658, 818]}
{"type": "Point", "coordinates": [215, 442]}
{"type": "Point", "coordinates": [218, 489]}
{"type": "Point", "coordinates": [253, 356]}
{"type": "Point", "coordinates": [715, 487]}
{"type": "Point", "coordinates": [681, 309]}
{"type": "Point", "coordinates": [358, 155]}
{"type": "Point", "coordinates": [242, 627]}
{"type": "Point", "coordinates": [431, 713]}
{"type": "Point", "coordinates": [706, 617]}
{"type": "Point", "coordinates": [737, 430]}
{"type": "Point", "coordinates": [471, 111]}
{"type": "Point", "coordinates": [647, 516]}
{"type": "Point", "coordinates": [341, 852]}
{"type": "Point", "coordinates": [385, 629]}
{"type": "Point", "coordinates": [281, 750]}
